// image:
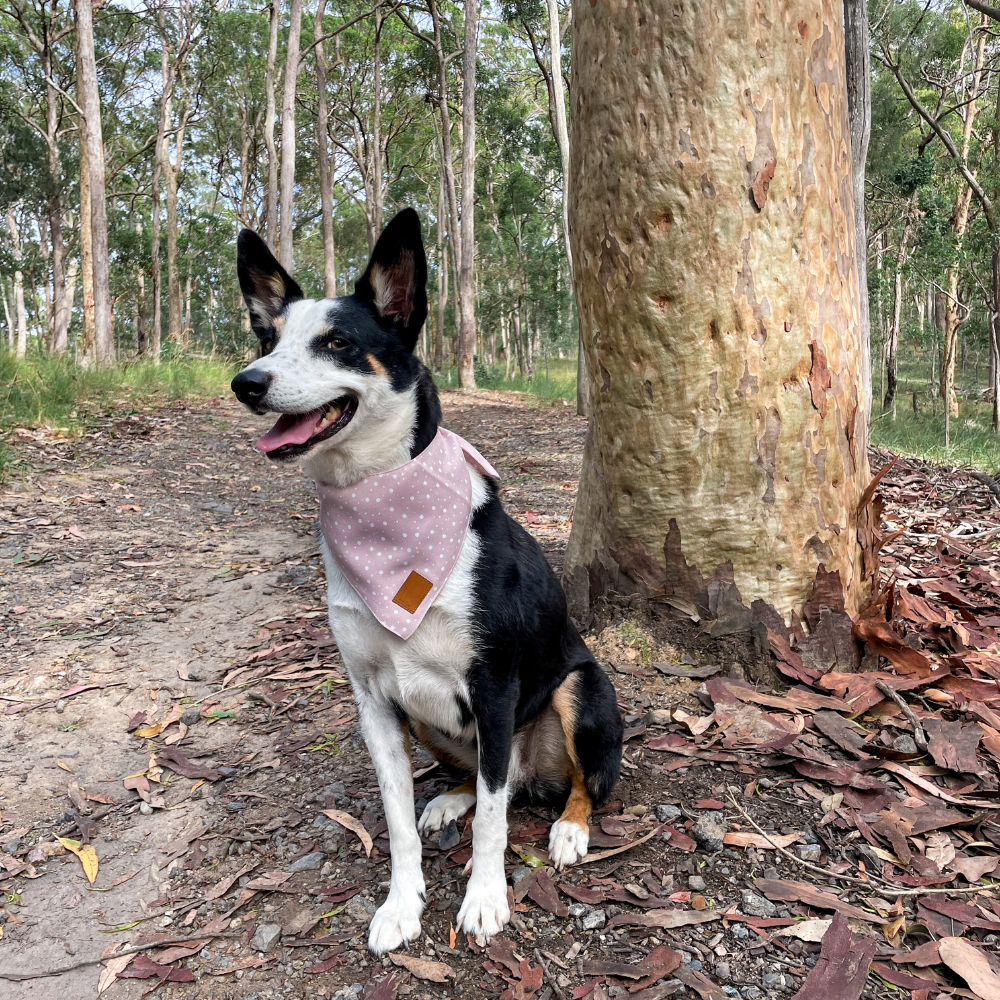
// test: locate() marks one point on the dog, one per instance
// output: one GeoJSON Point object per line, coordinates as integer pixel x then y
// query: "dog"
{"type": "Point", "coordinates": [495, 680]}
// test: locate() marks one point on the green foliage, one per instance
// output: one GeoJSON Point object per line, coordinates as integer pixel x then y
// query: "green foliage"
{"type": "Point", "coordinates": [58, 393]}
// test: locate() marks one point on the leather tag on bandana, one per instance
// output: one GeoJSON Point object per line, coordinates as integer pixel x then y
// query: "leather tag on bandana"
{"type": "Point", "coordinates": [415, 588]}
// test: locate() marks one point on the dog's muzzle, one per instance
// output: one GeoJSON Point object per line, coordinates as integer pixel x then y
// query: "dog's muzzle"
{"type": "Point", "coordinates": [251, 386]}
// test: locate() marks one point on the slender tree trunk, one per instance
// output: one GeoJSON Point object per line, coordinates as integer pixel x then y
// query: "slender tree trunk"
{"type": "Point", "coordinates": [159, 157]}
{"type": "Point", "coordinates": [141, 345]}
{"type": "Point", "coordinates": [467, 255]}
{"type": "Point", "coordinates": [995, 338]}
{"type": "Point", "coordinates": [442, 264]}
{"type": "Point", "coordinates": [959, 223]}
{"type": "Point", "coordinates": [104, 345]}
{"type": "Point", "coordinates": [323, 157]}
{"type": "Point", "coordinates": [272, 154]}
{"type": "Point", "coordinates": [171, 175]}
{"type": "Point", "coordinates": [859, 105]}
{"type": "Point", "coordinates": [377, 151]}
{"type": "Point", "coordinates": [59, 341]}
{"type": "Point", "coordinates": [21, 344]}
{"type": "Point", "coordinates": [86, 252]}
{"type": "Point", "coordinates": [287, 198]}
{"type": "Point", "coordinates": [695, 477]}
{"type": "Point", "coordinates": [447, 164]}
{"type": "Point", "coordinates": [892, 343]}
{"type": "Point", "coordinates": [11, 335]}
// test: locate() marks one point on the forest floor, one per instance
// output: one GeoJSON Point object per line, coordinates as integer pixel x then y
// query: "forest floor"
{"type": "Point", "coordinates": [173, 707]}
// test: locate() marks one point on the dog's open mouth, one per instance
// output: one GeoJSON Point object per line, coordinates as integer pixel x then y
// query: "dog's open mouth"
{"type": "Point", "coordinates": [295, 433]}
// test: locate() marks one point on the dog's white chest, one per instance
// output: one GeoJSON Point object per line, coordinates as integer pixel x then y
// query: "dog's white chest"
{"type": "Point", "coordinates": [425, 675]}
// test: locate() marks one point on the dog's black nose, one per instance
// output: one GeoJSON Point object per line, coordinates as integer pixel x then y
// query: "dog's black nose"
{"type": "Point", "coordinates": [251, 385]}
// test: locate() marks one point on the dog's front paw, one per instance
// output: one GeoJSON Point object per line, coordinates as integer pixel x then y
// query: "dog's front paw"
{"type": "Point", "coordinates": [567, 843]}
{"type": "Point", "coordinates": [439, 812]}
{"type": "Point", "coordinates": [396, 923]}
{"type": "Point", "coordinates": [484, 911]}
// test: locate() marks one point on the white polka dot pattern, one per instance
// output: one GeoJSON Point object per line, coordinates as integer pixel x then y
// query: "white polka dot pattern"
{"type": "Point", "coordinates": [411, 519]}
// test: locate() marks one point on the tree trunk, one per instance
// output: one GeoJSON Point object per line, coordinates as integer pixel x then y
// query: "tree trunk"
{"type": "Point", "coordinates": [59, 342]}
{"type": "Point", "coordinates": [377, 151]}
{"type": "Point", "coordinates": [725, 451]}
{"type": "Point", "coordinates": [859, 107]}
{"type": "Point", "coordinates": [467, 251]}
{"type": "Point", "coordinates": [995, 339]}
{"type": "Point", "coordinates": [892, 344]}
{"type": "Point", "coordinates": [104, 344]}
{"type": "Point", "coordinates": [447, 164]}
{"type": "Point", "coordinates": [272, 154]}
{"type": "Point", "coordinates": [171, 173]}
{"type": "Point", "coordinates": [86, 350]}
{"type": "Point", "coordinates": [287, 198]}
{"type": "Point", "coordinates": [21, 343]}
{"type": "Point", "coordinates": [959, 223]}
{"type": "Point", "coordinates": [442, 265]}
{"type": "Point", "coordinates": [323, 157]}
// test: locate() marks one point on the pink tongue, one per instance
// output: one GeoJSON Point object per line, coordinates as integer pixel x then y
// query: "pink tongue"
{"type": "Point", "coordinates": [291, 428]}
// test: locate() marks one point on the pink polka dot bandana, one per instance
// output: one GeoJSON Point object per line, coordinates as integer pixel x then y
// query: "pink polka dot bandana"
{"type": "Point", "coordinates": [397, 536]}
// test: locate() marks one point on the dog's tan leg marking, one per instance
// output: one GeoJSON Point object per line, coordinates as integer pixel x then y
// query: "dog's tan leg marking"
{"type": "Point", "coordinates": [570, 834]}
{"type": "Point", "coordinates": [377, 365]}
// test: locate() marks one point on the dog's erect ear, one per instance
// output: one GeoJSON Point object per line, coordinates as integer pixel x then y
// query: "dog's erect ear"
{"type": "Point", "coordinates": [395, 281]}
{"type": "Point", "coordinates": [267, 286]}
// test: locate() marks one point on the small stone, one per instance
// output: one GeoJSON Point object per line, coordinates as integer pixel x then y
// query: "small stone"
{"type": "Point", "coordinates": [449, 837]}
{"type": "Point", "coordinates": [751, 993]}
{"type": "Point", "coordinates": [904, 744]}
{"type": "Point", "coordinates": [657, 717]}
{"type": "Point", "coordinates": [755, 905]}
{"type": "Point", "coordinates": [307, 863]}
{"type": "Point", "coordinates": [235, 805]}
{"type": "Point", "coordinates": [809, 852]}
{"type": "Point", "coordinates": [227, 772]}
{"type": "Point", "coordinates": [360, 910]}
{"type": "Point", "coordinates": [695, 966]}
{"type": "Point", "coordinates": [10, 846]}
{"type": "Point", "coordinates": [731, 991]}
{"type": "Point", "coordinates": [739, 931]}
{"type": "Point", "coordinates": [265, 938]}
{"type": "Point", "coordinates": [190, 716]}
{"type": "Point", "coordinates": [61, 706]}
{"type": "Point", "coordinates": [667, 813]}
{"type": "Point", "coordinates": [772, 979]}
{"type": "Point", "coordinates": [709, 830]}
{"type": "Point", "coordinates": [637, 890]}
{"type": "Point", "coordinates": [145, 808]}
{"type": "Point", "coordinates": [696, 883]}
{"type": "Point", "coordinates": [578, 909]}
{"type": "Point", "coordinates": [722, 970]}
{"type": "Point", "coordinates": [519, 873]}
{"type": "Point", "coordinates": [594, 920]}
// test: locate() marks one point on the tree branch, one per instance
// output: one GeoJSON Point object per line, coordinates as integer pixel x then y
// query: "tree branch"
{"type": "Point", "coordinates": [984, 8]}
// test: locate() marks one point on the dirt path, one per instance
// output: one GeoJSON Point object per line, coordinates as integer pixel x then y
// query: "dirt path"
{"type": "Point", "coordinates": [170, 695]}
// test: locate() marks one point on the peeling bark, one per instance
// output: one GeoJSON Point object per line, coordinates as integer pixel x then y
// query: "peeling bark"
{"type": "Point", "coordinates": [713, 227]}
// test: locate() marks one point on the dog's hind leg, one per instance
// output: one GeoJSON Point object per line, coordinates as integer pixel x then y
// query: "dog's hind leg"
{"type": "Point", "coordinates": [452, 805]}
{"type": "Point", "coordinates": [570, 834]}
{"type": "Point", "coordinates": [592, 728]}
{"type": "Point", "coordinates": [397, 920]}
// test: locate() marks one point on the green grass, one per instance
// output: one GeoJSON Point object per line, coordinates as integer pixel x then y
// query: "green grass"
{"type": "Point", "coordinates": [560, 383]}
{"type": "Point", "coordinates": [54, 392]}
{"type": "Point", "coordinates": [972, 441]}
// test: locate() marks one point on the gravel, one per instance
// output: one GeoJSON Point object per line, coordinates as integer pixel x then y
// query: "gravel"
{"type": "Point", "coordinates": [755, 905]}
{"type": "Point", "coordinates": [266, 938]}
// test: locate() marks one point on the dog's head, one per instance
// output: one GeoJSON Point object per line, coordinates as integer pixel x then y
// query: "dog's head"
{"type": "Point", "coordinates": [340, 372]}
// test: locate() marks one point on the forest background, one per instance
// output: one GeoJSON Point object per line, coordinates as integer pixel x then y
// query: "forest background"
{"type": "Point", "coordinates": [178, 123]}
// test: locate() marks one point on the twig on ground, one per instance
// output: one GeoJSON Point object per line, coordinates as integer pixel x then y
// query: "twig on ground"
{"type": "Point", "coordinates": [20, 977]}
{"type": "Point", "coordinates": [549, 977]}
{"type": "Point", "coordinates": [873, 883]}
{"type": "Point", "coordinates": [919, 736]}
{"type": "Point", "coordinates": [989, 482]}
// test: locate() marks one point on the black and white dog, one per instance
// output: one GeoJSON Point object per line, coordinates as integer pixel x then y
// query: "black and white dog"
{"type": "Point", "coordinates": [495, 680]}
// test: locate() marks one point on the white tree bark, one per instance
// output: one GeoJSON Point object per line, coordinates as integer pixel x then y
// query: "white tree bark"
{"type": "Point", "coordinates": [467, 251]}
{"type": "Point", "coordinates": [104, 344]}
{"type": "Point", "coordinates": [287, 197]}
{"type": "Point", "coordinates": [21, 343]}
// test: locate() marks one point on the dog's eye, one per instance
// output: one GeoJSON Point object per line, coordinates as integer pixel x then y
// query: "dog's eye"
{"type": "Point", "coordinates": [335, 344]}
{"type": "Point", "coordinates": [266, 345]}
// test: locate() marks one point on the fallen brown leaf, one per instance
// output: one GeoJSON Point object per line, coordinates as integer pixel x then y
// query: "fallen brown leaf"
{"type": "Point", "coordinates": [972, 965]}
{"type": "Point", "coordinates": [347, 821]}
{"type": "Point", "coordinates": [422, 968]}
